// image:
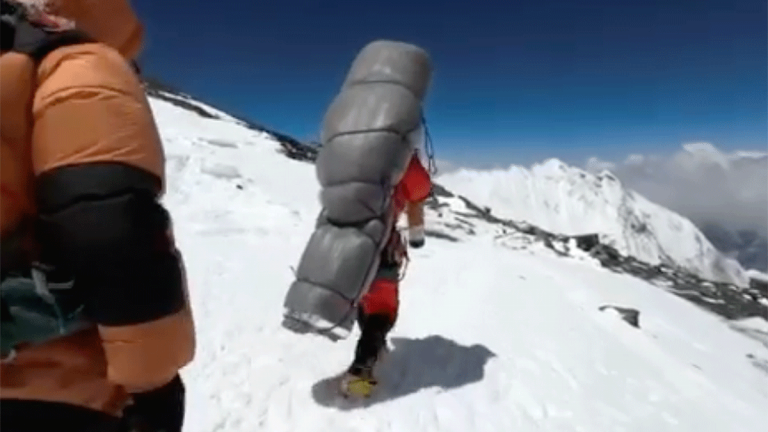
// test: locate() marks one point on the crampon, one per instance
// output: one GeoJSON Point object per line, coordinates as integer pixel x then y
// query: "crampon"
{"type": "Point", "coordinates": [358, 386]}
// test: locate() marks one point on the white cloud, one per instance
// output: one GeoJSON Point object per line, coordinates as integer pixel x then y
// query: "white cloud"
{"type": "Point", "coordinates": [701, 183]}
{"type": "Point", "coordinates": [596, 165]}
{"type": "Point", "coordinates": [445, 167]}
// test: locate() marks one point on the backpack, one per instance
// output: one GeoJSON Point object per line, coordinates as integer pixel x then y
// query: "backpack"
{"type": "Point", "coordinates": [37, 302]}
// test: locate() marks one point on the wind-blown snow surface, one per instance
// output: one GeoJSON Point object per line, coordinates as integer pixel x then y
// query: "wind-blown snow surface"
{"type": "Point", "coordinates": [489, 339]}
{"type": "Point", "coordinates": [567, 200]}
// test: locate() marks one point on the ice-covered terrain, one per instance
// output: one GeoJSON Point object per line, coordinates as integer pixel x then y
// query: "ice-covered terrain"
{"type": "Point", "coordinates": [494, 334]}
{"type": "Point", "coordinates": [569, 200]}
{"type": "Point", "coordinates": [724, 193]}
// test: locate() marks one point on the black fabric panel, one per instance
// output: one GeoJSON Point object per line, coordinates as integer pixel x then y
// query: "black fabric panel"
{"type": "Point", "coordinates": [15, 253]}
{"type": "Point", "coordinates": [62, 186]}
{"type": "Point", "coordinates": [161, 409]}
{"type": "Point", "coordinates": [104, 225]}
{"type": "Point", "coordinates": [38, 43]}
{"type": "Point", "coordinates": [37, 416]}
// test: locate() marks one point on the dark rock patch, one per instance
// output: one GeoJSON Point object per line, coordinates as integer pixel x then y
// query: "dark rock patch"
{"type": "Point", "coordinates": [629, 315]}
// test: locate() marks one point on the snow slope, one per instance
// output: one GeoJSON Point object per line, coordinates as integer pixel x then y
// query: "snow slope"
{"type": "Point", "coordinates": [490, 338]}
{"type": "Point", "coordinates": [571, 201]}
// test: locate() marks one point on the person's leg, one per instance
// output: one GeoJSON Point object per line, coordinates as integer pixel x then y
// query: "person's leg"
{"type": "Point", "coordinates": [377, 314]}
{"type": "Point", "coordinates": [379, 307]}
{"type": "Point", "coordinates": [376, 317]}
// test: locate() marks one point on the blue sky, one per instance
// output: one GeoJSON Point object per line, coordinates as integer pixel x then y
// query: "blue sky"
{"type": "Point", "coordinates": [515, 82]}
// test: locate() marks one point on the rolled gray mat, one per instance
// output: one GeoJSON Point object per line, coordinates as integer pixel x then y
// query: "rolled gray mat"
{"type": "Point", "coordinates": [365, 151]}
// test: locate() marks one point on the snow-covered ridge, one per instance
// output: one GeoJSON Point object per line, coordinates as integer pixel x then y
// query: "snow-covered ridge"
{"type": "Point", "coordinates": [159, 91]}
{"type": "Point", "coordinates": [724, 193]}
{"type": "Point", "coordinates": [711, 187]}
{"type": "Point", "coordinates": [556, 198]}
{"type": "Point", "coordinates": [503, 325]}
{"type": "Point", "coordinates": [568, 200]}
{"type": "Point", "coordinates": [757, 275]}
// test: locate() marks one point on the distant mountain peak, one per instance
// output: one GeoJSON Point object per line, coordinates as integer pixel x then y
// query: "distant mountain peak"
{"type": "Point", "coordinates": [568, 200]}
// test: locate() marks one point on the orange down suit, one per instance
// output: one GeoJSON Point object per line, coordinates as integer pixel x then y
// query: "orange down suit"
{"type": "Point", "coordinates": [82, 109]}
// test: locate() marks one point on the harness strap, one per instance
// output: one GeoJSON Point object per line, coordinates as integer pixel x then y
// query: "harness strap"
{"type": "Point", "coordinates": [396, 253]}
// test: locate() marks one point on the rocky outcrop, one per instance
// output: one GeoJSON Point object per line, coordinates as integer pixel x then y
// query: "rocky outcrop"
{"type": "Point", "coordinates": [629, 315]}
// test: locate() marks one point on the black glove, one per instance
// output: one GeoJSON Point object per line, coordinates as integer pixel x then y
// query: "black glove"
{"type": "Point", "coordinates": [158, 410]}
{"type": "Point", "coordinates": [416, 237]}
{"type": "Point", "coordinates": [416, 243]}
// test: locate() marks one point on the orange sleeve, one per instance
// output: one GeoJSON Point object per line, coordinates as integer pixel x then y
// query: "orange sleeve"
{"type": "Point", "coordinates": [416, 181]}
{"type": "Point", "coordinates": [414, 211]}
{"type": "Point", "coordinates": [90, 108]}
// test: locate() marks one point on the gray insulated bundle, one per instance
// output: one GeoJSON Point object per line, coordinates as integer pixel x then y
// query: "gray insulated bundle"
{"type": "Point", "coordinates": [365, 153]}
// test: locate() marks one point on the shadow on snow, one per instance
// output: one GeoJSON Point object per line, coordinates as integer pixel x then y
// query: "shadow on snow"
{"type": "Point", "coordinates": [413, 365]}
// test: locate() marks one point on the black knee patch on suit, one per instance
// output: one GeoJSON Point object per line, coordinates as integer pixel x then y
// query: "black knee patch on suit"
{"type": "Point", "coordinates": [103, 224]}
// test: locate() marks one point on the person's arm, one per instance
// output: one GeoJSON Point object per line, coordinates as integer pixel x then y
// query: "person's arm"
{"type": "Point", "coordinates": [98, 162]}
{"type": "Point", "coordinates": [418, 185]}
{"type": "Point", "coordinates": [415, 213]}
